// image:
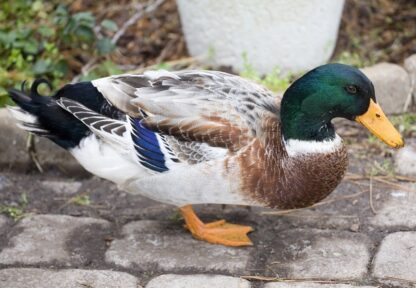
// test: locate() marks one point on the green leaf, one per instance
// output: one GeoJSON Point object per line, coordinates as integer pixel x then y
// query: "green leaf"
{"type": "Point", "coordinates": [23, 33]}
{"type": "Point", "coordinates": [84, 33]}
{"type": "Point", "coordinates": [19, 44]}
{"type": "Point", "coordinates": [61, 10]}
{"type": "Point", "coordinates": [46, 31]}
{"type": "Point", "coordinates": [37, 6]}
{"type": "Point", "coordinates": [163, 66]}
{"type": "Point", "coordinates": [7, 38]}
{"type": "Point", "coordinates": [60, 68]}
{"type": "Point", "coordinates": [69, 27]}
{"type": "Point", "coordinates": [105, 46]}
{"type": "Point", "coordinates": [31, 47]}
{"type": "Point", "coordinates": [3, 92]}
{"type": "Point", "coordinates": [109, 25]}
{"type": "Point", "coordinates": [23, 199]}
{"type": "Point", "coordinates": [50, 48]}
{"type": "Point", "coordinates": [16, 58]}
{"type": "Point", "coordinates": [61, 17]}
{"type": "Point", "coordinates": [110, 68]}
{"type": "Point", "coordinates": [41, 66]}
{"type": "Point", "coordinates": [81, 200]}
{"type": "Point", "coordinates": [13, 212]}
{"type": "Point", "coordinates": [84, 18]}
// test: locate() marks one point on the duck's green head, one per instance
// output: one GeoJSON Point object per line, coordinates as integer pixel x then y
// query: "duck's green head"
{"type": "Point", "coordinates": [327, 92]}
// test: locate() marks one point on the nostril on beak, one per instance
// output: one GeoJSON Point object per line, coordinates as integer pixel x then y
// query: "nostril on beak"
{"type": "Point", "coordinates": [378, 115]}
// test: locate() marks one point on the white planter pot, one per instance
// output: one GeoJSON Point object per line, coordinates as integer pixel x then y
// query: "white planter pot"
{"type": "Point", "coordinates": [293, 35]}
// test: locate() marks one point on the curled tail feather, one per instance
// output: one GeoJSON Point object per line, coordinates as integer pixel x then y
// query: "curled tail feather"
{"type": "Point", "coordinates": [42, 116]}
{"type": "Point", "coordinates": [25, 112]}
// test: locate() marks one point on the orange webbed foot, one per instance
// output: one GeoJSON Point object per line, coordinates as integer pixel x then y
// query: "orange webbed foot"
{"type": "Point", "coordinates": [218, 232]}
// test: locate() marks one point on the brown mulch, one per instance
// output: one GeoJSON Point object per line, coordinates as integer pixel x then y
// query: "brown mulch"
{"type": "Point", "coordinates": [378, 30]}
{"type": "Point", "coordinates": [155, 38]}
{"type": "Point", "coordinates": [375, 30]}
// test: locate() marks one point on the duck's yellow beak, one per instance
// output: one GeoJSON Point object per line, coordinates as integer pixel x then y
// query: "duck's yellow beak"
{"type": "Point", "coordinates": [376, 121]}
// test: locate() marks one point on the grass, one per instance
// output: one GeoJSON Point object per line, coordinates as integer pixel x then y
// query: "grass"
{"type": "Point", "coordinates": [406, 123]}
{"type": "Point", "coordinates": [353, 59]}
{"type": "Point", "coordinates": [384, 168]}
{"type": "Point", "coordinates": [176, 217]}
{"type": "Point", "coordinates": [372, 139]}
{"type": "Point", "coordinates": [273, 80]}
{"type": "Point", "coordinates": [16, 211]}
{"type": "Point", "coordinates": [80, 200]}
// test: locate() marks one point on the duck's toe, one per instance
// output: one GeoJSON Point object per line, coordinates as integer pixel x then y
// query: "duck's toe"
{"type": "Point", "coordinates": [221, 232]}
{"type": "Point", "coordinates": [218, 232]}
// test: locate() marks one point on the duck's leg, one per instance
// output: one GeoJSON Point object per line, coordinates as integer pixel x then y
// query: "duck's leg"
{"type": "Point", "coordinates": [218, 232]}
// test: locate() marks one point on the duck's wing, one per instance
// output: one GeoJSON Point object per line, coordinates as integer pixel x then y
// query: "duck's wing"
{"type": "Point", "coordinates": [214, 109]}
{"type": "Point", "coordinates": [126, 136]}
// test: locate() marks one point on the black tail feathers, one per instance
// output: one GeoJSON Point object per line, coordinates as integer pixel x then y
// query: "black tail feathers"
{"type": "Point", "coordinates": [30, 103]}
{"type": "Point", "coordinates": [42, 116]}
{"type": "Point", "coordinates": [35, 85]}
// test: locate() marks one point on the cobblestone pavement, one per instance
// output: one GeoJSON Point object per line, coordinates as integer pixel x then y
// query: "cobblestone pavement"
{"type": "Point", "coordinates": [80, 231]}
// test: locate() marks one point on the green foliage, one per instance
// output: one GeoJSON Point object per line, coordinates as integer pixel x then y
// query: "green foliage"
{"type": "Point", "coordinates": [352, 59]}
{"type": "Point", "coordinates": [373, 139]}
{"type": "Point", "coordinates": [16, 211]}
{"type": "Point", "coordinates": [163, 66]}
{"type": "Point", "coordinates": [80, 200]}
{"type": "Point", "coordinates": [406, 123]}
{"type": "Point", "coordinates": [110, 25]}
{"type": "Point", "coordinates": [13, 212]}
{"type": "Point", "coordinates": [105, 46]}
{"type": "Point", "coordinates": [103, 69]}
{"type": "Point", "coordinates": [176, 217]}
{"type": "Point", "coordinates": [38, 37]}
{"type": "Point", "coordinates": [385, 168]}
{"type": "Point", "coordinates": [273, 81]}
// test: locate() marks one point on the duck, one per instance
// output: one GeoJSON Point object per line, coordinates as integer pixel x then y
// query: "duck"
{"type": "Point", "coordinates": [208, 137]}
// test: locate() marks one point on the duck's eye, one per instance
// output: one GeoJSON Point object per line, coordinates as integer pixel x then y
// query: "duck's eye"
{"type": "Point", "coordinates": [352, 89]}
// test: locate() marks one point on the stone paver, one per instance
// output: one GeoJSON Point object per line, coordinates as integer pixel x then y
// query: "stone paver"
{"type": "Point", "coordinates": [295, 246]}
{"type": "Point", "coordinates": [396, 258]}
{"type": "Point", "coordinates": [198, 280]}
{"type": "Point", "coordinates": [13, 150]}
{"type": "Point", "coordinates": [3, 222]}
{"type": "Point", "coordinates": [320, 254]}
{"type": "Point", "coordinates": [312, 285]}
{"type": "Point", "coordinates": [43, 239]}
{"type": "Point", "coordinates": [146, 243]}
{"type": "Point", "coordinates": [392, 85]}
{"type": "Point", "coordinates": [300, 219]}
{"type": "Point", "coordinates": [399, 209]}
{"type": "Point", "coordinates": [62, 187]}
{"type": "Point", "coordinates": [4, 182]}
{"type": "Point", "coordinates": [71, 278]}
{"type": "Point", "coordinates": [405, 160]}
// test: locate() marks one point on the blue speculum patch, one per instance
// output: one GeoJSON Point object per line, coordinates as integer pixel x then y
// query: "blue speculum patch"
{"type": "Point", "coordinates": [147, 147]}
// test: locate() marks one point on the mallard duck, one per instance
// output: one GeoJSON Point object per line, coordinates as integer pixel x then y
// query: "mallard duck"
{"type": "Point", "coordinates": [192, 137]}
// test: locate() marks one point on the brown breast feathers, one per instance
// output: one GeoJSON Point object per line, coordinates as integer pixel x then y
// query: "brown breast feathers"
{"type": "Point", "coordinates": [273, 179]}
